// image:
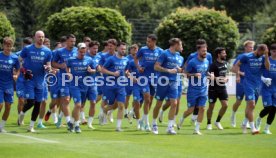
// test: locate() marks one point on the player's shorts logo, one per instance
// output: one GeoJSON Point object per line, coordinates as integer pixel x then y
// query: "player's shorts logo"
{"type": "Point", "coordinates": [144, 89]}
{"type": "Point", "coordinates": [135, 98]}
{"type": "Point", "coordinates": [265, 103]}
{"type": "Point", "coordinates": [54, 95]}
{"type": "Point", "coordinates": [211, 100]}
{"type": "Point", "coordinates": [157, 97]}
{"type": "Point", "coordinates": [250, 97]}
{"type": "Point", "coordinates": [61, 90]}
{"type": "Point", "coordinates": [27, 95]}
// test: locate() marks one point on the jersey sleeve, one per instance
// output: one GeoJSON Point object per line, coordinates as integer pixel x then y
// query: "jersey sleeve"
{"type": "Point", "coordinates": [161, 59]}
{"type": "Point", "coordinates": [210, 58]}
{"type": "Point", "coordinates": [68, 63]}
{"type": "Point", "coordinates": [108, 63]}
{"type": "Point", "coordinates": [244, 59]}
{"type": "Point", "coordinates": [49, 56]}
{"type": "Point", "coordinates": [24, 52]}
{"type": "Point", "coordinates": [92, 64]}
{"type": "Point", "coordinates": [16, 64]}
{"type": "Point", "coordinates": [56, 56]}
{"type": "Point", "coordinates": [189, 67]}
{"type": "Point", "coordinates": [139, 53]}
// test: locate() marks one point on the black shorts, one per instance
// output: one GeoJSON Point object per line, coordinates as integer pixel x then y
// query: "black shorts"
{"type": "Point", "coordinates": [213, 95]}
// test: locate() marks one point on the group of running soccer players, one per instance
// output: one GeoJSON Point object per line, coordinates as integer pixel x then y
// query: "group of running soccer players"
{"type": "Point", "coordinates": [82, 73]}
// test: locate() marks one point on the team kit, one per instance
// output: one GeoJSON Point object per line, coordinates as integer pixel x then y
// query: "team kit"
{"type": "Point", "coordinates": [82, 73]}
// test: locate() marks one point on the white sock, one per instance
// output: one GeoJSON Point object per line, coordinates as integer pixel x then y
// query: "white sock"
{"type": "Point", "coordinates": [126, 111]}
{"type": "Point", "coordinates": [252, 125]}
{"type": "Point", "coordinates": [2, 125]}
{"type": "Point", "coordinates": [39, 121]}
{"type": "Point", "coordinates": [119, 123]}
{"type": "Point", "coordinates": [77, 123]}
{"type": "Point", "coordinates": [54, 117]}
{"type": "Point", "coordinates": [60, 114]}
{"type": "Point", "coordinates": [82, 115]}
{"type": "Point", "coordinates": [170, 123]}
{"type": "Point", "coordinates": [259, 119]}
{"type": "Point", "coordinates": [194, 117]}
{"type": "Point", "coordinates": [32, 123]}
{"type": "Point", "coordinates": [72, 120]}
{"type": "Point", "coordinates": [101, 110]}
{"type": "Point", "coordinates": [154, 122]}
{"type": "Point", "coordinates": [146, 119]}
{"type": "Point", "coordinates": [22, 113]}
{"type": "Point", "coordinates": [90, 120]}
{"type": "Point", "coordinates": [233, 113]}
{"type": "Point", "coordinates": [181, 120]}
{"type": "Point", "coordinates": [197, 126]}
{"type": "Point", "coordinates": [245, 121]}
{"type": "Point", "coordinates": [174, 119]}
{"type": "Point", "coordinates": [267, 127]}
{"type": "Point", "coordinates": [67, 119]}
{"type": "Point", "coordinates": [137, 121]}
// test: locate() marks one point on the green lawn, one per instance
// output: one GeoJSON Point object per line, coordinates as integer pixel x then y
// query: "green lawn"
{"type": "Point", "coordinates": [105, 142]}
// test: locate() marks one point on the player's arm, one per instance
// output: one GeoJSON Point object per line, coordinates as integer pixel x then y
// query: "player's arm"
{"type": "Point", "coordinates": [236, 69]}
{"type": "Point", "coordinates": [267, 62]}
{"type": "Point", "coordinates": [55, 63]}
{"type": "Point", "coordinates": [105, 71]}
{"type": "Point", "coordinates": [136, 61]}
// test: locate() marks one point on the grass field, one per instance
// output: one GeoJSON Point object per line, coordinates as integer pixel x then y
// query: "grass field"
{"type": "Point", "coordinates": [105, 142]}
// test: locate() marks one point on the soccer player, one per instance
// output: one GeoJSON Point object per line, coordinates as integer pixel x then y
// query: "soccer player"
{"type": "Point", "coordinates": [86, 40]}
{"type": "Point", "coordinates": [63, 91]}
{"type": "Point", "coordinates": [115, 68]}
{"type": "Point", "coordinates": [268, 93]}
{"type": "Point", "coordinates": [129, 88]}
{"type": "Point", "coordinates": [79, 68]}
{"type": "Point", "coordinates": [199, 42]}
{"type": "Point", "coordinates": [8, 62]}
{"type": "Point", "coordinates": [36, 62]}
{"type": "Point", "coordinates": [248, 47]}
{"type": "Point", "coordinates": [147, 57]}
{"type": "Point", "coordinates": [47, 43]}
{"type": "Point", "coordinates": [92, 90]}
{"type": "Point", "coordinates": [197, 71]}
{"type": "Point", "coordinates": [20, 81]}
{"type": "Point", "coordinates": [167, 66]}
{"type": "Point", "coordinates": [217, 87]}
{"type": "Point", "coordinates": [253, 64]}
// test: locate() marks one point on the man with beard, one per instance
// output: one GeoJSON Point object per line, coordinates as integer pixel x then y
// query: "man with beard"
{"type": "Point", "coordinates": [253, 64]}
{"type": "Point", "coordinates": [217, 87]}
{"type": "Point", "coordinates": [197, 71]}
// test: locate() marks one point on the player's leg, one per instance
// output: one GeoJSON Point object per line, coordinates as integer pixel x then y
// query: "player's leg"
{"type": "Point", "coordinates": [191, 102]}
{"type": "Point", "coordinates": [164, 108]}
{"type": "Point", "coordinates": [239, 98]}
{"type": "Point", "coordinates": [8, 98]}
{"type": "Point", "coordinates": [223, 97]}
{"type": "Point", "coordinates": [65, 100]}
{"type": "Point", "coordinates": [120, 99]}
{"type": "Point", "coordinates": [212, 95]}
{"type": "Point", "coordinates": [92, 97]}
{"type": "Point", "coordinates": [147, 101]}
{"type": "Point", "coordinates": [267, 98]}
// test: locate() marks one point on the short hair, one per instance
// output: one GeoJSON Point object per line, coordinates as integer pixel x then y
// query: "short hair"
{"type": "Point", "coordinates": [8, 40]}
{"type": "Point", "coordinates": [248, 42]}
{"type": "Point", "coordinates": [121, 43]}
{"type": "Point", "coordinates": [112, 41]}
{"type": "Point", "coordinates": [273, 46]}
{"type": "Point", "coordinates": [200, 42]}
{"type": "Point", "coordinates": [218, 50]}
{"type": "Point", "coordinates": [70, 36]}
{"type": "Point", "coordinates": [105, 43]}
{"type": "Point", "coordinates": [152, 37]}
{"type": "Point", "coordinates": [63, 39]}
{"type": "Point", "coordinates": [46, 39]}
{"type": "Point", "coordinates": [94, 43]}
{"type": "Point", "coordinates": [86, 39]}
{"type": "Point", "coordinates": [56, 44]}
{"type": "Point", "coordinates": [261, 47]}
{"type": "Point", "coordinates": [174, 41]}
{"type": "Point", "coordinates": [134, 46]}
{"type": "Point", "coordinates": [27, 40]}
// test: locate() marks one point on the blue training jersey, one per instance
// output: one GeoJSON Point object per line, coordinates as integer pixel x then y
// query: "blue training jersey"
{"type": "Point", "coordinates": [147, 59]}
{"type": "Point", "coordinates": [271, 73]}
{"type": "Point", "coordinates": [253, 66]}
{"type": "Point", "coordinates": [7, 64]}
{"type": "Point", "coordinates": [197, 66]}
{"type": "Point", "coordinates": [114, 64]}
{"type": "Point", "coordinates": [34, 59]}
{"type": "Point", "coordinates": [242, 66]}
{"type": "Point", "coordinates": [78, 68]}
{"type": "Point", "coordinates": [169, 60]}
{"type": "Point", "coordinates": [194, 55]}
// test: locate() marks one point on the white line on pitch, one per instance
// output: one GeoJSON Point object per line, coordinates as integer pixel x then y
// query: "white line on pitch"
{"type": "Point", "coordinates": [32, 138]}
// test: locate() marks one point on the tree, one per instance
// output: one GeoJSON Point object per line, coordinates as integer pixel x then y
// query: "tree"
{"type": "Point", "coordinates": [191, 24]}
{"type": "Point", "coordinates": [98, 23]}
{"type": "Point", "coordinates": [6, 28]}
{"type": "Point", "coordinates": [269, 36]}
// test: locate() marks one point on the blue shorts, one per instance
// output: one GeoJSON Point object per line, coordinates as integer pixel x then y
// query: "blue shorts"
{"type": "Point", "coordinates": [20, 89]}
{"type": "Point", "coordinates": [34, 90]}
{"type": "Point", "coordinates": [251, 93]}
{"type": "Point", "coordinates": [92, 93]}
{"type": "Point", "coordinates": [170, 90]}
{"type": "Point", "coordinates": [129, 90]}
{"type": "Point", "coordinates": [100, 90]}
{"type": "Point", "coordinates": [196, 98]}
{"type": "Point", "coordinates": [138, 93]}
{"type": "Point", "coordinates": [78, 95]}
{"type": "Point", "coordinates": [179, 91]}
{"type": "Point", "coordinates": [112, 94]}
{"type": "Point", "coordinates": [63, 91]}
{"type": "Point", "coordinates": [6, 95]}
{"type": "Point", "coordinates": [268, 97]}
{"type": "Point", "coordinates": [147, 87]}
{"type": "Point", "coordinates": [239, 91]}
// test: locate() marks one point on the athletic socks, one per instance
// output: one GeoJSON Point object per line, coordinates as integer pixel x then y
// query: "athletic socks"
{"type": "Point", "coordinates": [267, 127]}
{"type": "Point", "coordinates": [82, 116]}
{"type": "Point", "coordinates": [154, 122]}
{"type": "Point", "coordinates": [60, 114]}
{"type": "Point", "coordinates": [3, 123]}
{"type": "Point", "coordinates": [119, 123]}
{"type": "Point", "coordinates": [146, 119]}
{"type": "Point", "coordinates": [54, 116]}
{"type": "Point", "coordinates": [244, 122]}
{"type": "Point", "coordinates": [252, 126]}
{"type": "Point", "coordinates": [90, 120]}
{"type": "Point", "coordinates": [39, 121]}
{"type": "Point", "coordinates": [32, 123]}
{"type": "Point", "coordinates": [67, 119]}
{"type": "Point", "coordinates": [170, 123]}
{"type": "Point", "coordinates": [197, 126]}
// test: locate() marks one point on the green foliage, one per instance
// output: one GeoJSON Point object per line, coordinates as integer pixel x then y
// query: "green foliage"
{"type": "Point", "coordinates": [191, 24]}
{"type": "Point", "coordinates": [97, 23]}
{"type": "Point", "coordinates": [6, 28]}
{"type": "Point", "coordinates": [269, 35]}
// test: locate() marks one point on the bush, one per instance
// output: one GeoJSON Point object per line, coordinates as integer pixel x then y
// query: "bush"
{"type": "Point", "coordinates": [269, 35]}
{"type": "Point", "coordinates": [97, 23]}
{"type": "Point", "coordinates": [6, 28]}
{"type": "Point", "coordinates": [191, 24]}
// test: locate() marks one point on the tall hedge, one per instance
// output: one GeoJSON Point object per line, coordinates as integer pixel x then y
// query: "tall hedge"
{"type": "Point", "coordinates": [191, 24]}
{"type": "Point", "coordinates": [269, 35]}
{"type": "Point", "coordinates": [6, 28]}
{"type": "Point", "coordinates": [97, 23]}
